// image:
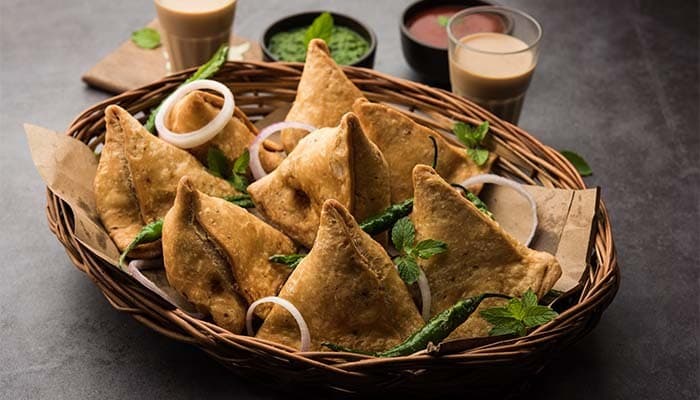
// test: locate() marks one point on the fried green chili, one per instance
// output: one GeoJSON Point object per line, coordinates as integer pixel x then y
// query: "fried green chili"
{"type": "Point", "coordinates": [147, 234]}
{"type": "Point", "coordinates": [435, 331]}
{"type": "Point", "coordinates": [204, 72]}
{"type": "Point", "coordinates": [386, 219]}
{"type": "Point", "coordinates": [475, 200]}
{"type": "Point", "coordinates": [241, 200]}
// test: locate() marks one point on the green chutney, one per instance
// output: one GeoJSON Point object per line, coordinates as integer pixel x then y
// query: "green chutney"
{"type": "Point", "coordinates": [346, 45]}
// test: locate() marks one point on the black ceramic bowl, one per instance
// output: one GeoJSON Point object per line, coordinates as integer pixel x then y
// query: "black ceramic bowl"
{"type": "Point", "coordinates": [430, 62]}
{"type": "Point", "coordinates": [305, 19]}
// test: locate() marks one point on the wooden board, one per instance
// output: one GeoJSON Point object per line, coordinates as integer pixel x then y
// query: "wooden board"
{"type": "Point", "coordinates": [130, 66]}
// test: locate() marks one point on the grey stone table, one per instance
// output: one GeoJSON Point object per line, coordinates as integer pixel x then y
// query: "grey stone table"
{"type": "Point", "coordinates": [617, 82]}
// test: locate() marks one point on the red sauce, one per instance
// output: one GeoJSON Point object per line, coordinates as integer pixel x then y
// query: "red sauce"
{"type": "Point", "coordinates": [425, 25]}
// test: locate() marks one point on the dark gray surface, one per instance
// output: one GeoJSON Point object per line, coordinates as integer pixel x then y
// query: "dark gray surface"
{"type": "Point", "coordinates": [617, 82]}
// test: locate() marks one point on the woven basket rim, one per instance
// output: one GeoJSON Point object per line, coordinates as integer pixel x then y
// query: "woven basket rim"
{"type": "Point", "coordinates": [271, 83]}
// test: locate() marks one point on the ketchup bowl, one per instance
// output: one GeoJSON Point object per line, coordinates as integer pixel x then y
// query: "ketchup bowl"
{"type": "Point", "coordinates": [422, 31]}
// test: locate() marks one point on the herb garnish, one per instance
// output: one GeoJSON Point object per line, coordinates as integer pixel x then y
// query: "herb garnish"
{"type": "Point", "coordinates": [204, 72]}
{"type": "Point", "coordinates": [321, 28]}
{"type": "Point", "coordinates": [579, 163]}
{"type": "Point", "coordinates": [241, 200]}
{"type": "Point", "coordinates": [403, 236]}
{"type": "Point", "coordinates": [442, 20]}
{"type": "Point", "coordinates": [217, 164]}
{"type": "Point", "coordinates": [146, 38]}
{"type": "Point", "coordinates": [290, 260]}
{"type": "Point", "coordinates": [436, 330]}
{"type": "Point", "coordinates": [474, 199]}
{"type": "Point", "coordinates": [473, 138]}
{"type": "Point", "coordinates": [149, 233]}
{"type": "Point", "coordinates": [518, 315]}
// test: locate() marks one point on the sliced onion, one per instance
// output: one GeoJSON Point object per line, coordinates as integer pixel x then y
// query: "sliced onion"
{"type": "Point", "coordinates": [286, 304]}
{"type": "Point", "coordinates": [499, 180]}
{"type": "Point", "coordinates": [208, 131]}
{"type": "Point", "coordinates": [254, 148]}
{"type": "Point", "coordinates": [134, 269]}
{"type": "Point", "coordinates": [424, 287]}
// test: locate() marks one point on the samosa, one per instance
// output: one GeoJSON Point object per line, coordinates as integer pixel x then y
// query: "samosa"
{"type": "Point", "coordinates": [216, 255]}
{"type": "Point", "coordinates": [405, 144]}
{"type": "Point", "coordinates": [324, 94]}
{"type": "Point", "coordinates": [481, 257]}
{"type": "Point", "coordinates": [198, 108]}
{"type": "Point", "coordinates": [348, 291]}
{"type": "Point", "coordinates": [331, 163]}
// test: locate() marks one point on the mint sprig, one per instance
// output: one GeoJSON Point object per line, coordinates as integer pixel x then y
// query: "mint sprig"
{"type": "Point", "coordinates": [321, 28]}
{"type": "Point", "coordinates": [403, 236]}
{"type": "Point", "coordinates": [518, 315]}
{"type": "Point", "coordinates": [238, 178]}
{"type": "Point", "coordinates": [473, 138]}
{"type": "Point", "coordinates": [217, 164]}
{"type": "Point", "coordinates": [146, 38]}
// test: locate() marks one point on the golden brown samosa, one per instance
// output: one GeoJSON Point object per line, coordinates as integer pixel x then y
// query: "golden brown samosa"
{"type": "Point", "coordinates": [405, 144]}
{"type": "Point", "coordinates": [216, 255]}
{"type": "Point", "coordinates": [331, 163]}
{"type": "Point", "coordinates": [198, 108]}
{"type": "Point", "coordinates": [481, 257]}
{"type": "Point", "coordinates": [156, 167]}
{"type": "Point", "coordinates": [115, 197]}
{"type": "Point", "coordinates": [324, 94]}
{"type": "Point", "coordinates": [348, 291]}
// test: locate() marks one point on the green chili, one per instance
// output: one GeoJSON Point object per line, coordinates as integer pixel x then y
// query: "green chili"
{"type": "Point", "coordinates": [204, 72]}
{"type": "Point", "coordinates": [386, 219]}
{"type": "Point", "coordinates": [241, 200]}
{"type": "Point", "coordinates": [435, 331]}
{"type": "Point", "coordinates": [475, 200]}
{"type": "Point", "coordinates": [147, 234]}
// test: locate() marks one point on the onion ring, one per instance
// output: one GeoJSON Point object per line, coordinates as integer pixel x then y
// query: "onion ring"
{"type": "Point", "coordinates": [499, 180]}
{"type": "Point", "coordinates": [208, 131]}
{"type": "Point", "coordinates": [254, 148]}
{"type": "Point", "coordinates": [286, 304]}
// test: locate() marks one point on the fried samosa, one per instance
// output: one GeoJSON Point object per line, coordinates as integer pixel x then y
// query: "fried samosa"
{"type": "Point", "coordinates": [481, 257]}
{"type": "Point", "coordinates": [331, 163]}
{"type": "Point", "coordinates": [216, 256]}
{"type": "Point", "coordinates": [324, 94]}
{"type": "Point", "coordinates": [115, 197]}
{"type": "Point", "coordinates": [405, 144]}
{"type": "Point", "coordinates": [348, 291]}
{"type": "Point", "coordinates": [156, 167]}
{"type": "Point", "coordinates": [198, 108]}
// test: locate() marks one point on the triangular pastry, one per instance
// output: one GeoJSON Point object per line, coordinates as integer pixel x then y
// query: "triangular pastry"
{"type": "Point", "coordinates": [348, 291]}
{"type": "Point", "coordinates": [213, 249]}
{"type": "Point", "coordinates": [481, 257]}
{"type": "Point", "coordinates": [198, 108]}
{"type": "Point", "coordinates": [324, 94]}
{"type": "Point", "coordinates": [331, 163]}
{"type": "Point", "coordinates": [405, 144]}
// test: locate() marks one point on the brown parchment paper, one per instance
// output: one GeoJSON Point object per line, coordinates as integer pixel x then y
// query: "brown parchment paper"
{"type": "Point", "coordinates": [68, 168]}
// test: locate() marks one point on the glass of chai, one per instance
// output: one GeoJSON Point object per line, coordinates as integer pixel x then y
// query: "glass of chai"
{"type": "Point", "coordinates": [194, 29]}
{"type": "Point", "coordinates": [493, 69]}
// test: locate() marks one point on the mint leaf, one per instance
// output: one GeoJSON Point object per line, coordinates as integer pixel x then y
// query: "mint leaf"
{"type": "Point", "coordinates": [464, 134]}
{"type": "Point", "coordinates": [518, 315]}
{"type": "Point", "coordinates": [216, 162]}
{"type": "Point", "coordinates": [403, 234]}
{"type": "Point", "coordinates": [480, 132]}
{"type": "Point", "coordinates": [578, 162]}
{"type": "Point", "coordinates": [146, 38]}
{"type": "Point", "coordinates": [408, 269]}
{"type": "Point", "coordinates": [321, 28]}
{"type": "Point", "coordinates": [512, 327]}
{"type": "Point", "coordinates": [290, 260]}
{"type": "Point", "coordinates": [538, 315]}
{"type": "Point", "coordinates": [479, 155]}
{"type": "Point", "coordinates": [149, 233]}
{"type": "Point", "coordinates": [429, 247]}
{"type": "Point", "coordinates": [204, 72]}
{"type": "Point", "coordinates": [241, 200]}
{"type": "Point", "coordinates": [529, 298]}
{"type": "Point", "coordinates": [442, 20]}
{"type": "Point", "coordinates": [238, 179]}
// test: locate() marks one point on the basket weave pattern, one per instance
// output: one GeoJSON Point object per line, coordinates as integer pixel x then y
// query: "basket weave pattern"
{"type": "Point", "coordinates": [484, 368]}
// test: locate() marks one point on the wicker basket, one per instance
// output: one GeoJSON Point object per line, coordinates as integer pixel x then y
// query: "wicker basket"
{"type": "Point", "coordinates": [477, 367]}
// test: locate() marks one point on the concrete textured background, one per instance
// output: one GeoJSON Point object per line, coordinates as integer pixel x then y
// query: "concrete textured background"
{"type": "Point", "coordinates": [617, 82]}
